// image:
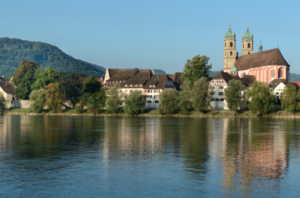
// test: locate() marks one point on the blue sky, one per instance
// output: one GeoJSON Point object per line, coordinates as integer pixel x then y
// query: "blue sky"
{"type": "Point", "coordinates": [152, 34]}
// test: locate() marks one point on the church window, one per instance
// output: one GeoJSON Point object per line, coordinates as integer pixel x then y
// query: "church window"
{"type": "Point", "coordinates": [231, 44]}
{"type": "Point", "coordinates": [248, 52]}
{"type": "Point", "coordinates": [248, 45]}
{"type": "Point", "coordinates": [279, 73]}
{"type": "Point", "coordinates": [225, 44]}
{"type": "Point", "coordinates": [230, 53]}
{"type": "Point", "coordinates": [273, 74]}
{"type": "Point", "coordinates": [243, 45]}
{"type": "Point", "coordinates": [225, 53]}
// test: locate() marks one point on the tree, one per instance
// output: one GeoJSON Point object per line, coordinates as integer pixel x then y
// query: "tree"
{"type": "Point", "coordinates": [168, 101]}
{"type": "Point", "coordinates": [135, 103]}
{"type": "Point", "coordinates": [113, 101]}
{"type": "Point", "coordinates": [91, 85]}
{"type": "Point", "coordinates": [95, 102]}
{"type": "Point", "coordinates": [69, 85]}
{"type": "Point", "coordinates": [233, 95]}
{"type": "Point", "coordinates": [38, 98]}
{"type": "Point", "coordinates": [290, 98]}
{"type": "Point", "coordinates": [2, 103]}
{"type": "Point", "coordinates": [43, 78]}
{"type": "Point", "coordinates": [196, 68]}
{"type": "Point", "coordinates": [24, 78]}
{"type": "Point", "coordinates": [53, 98]}
{"type": "Point", "coordinates": [185, 97]}
{"type": "Point", "coordinates": [7, 77]}
{"type": "Point", "coordinates": [262, 101]}
{"type": "Point", "coordinates": [200, 95]}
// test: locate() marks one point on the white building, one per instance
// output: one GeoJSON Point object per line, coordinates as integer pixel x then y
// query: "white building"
{"type": "Point", "coordinates": [6, 89]}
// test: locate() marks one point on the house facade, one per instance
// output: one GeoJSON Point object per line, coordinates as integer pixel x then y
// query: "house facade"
{"type": "Point", "coordinates": [6, 89]}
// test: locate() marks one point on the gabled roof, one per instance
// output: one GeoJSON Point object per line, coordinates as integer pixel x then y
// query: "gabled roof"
{"type": "Point", "coordinates": [268, 57]}
{"type": "Point", "coordinates": [223, 75]}
{"type": "Point", "coordinates": [141, 77]}
{"type": "Point", "coordinates": [158, 80]}
{"type": "Point", "coordinates": [276, 82]}
{"type": "Point", "coordinates": [7, 88]}
{"type": "Point", "coordinates": [121, 74]}
{"type": "Point", "coordinates": [176, 77]}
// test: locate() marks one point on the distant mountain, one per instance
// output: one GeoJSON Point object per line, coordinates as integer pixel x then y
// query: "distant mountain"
{"type": "Point", "coordinates": [213, 73]}
{"type": "Point", "coordinates": [156, 71]}
{"type": "Point", "coordinates": [13, 50]}
{"type": "Point", "coordinates": [294, 77]}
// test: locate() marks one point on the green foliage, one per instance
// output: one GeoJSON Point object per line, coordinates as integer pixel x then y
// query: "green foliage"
{"type": "Point", "coordinates": [53, 98]}
{"type": "Point", "coordinates": [168, 101]}
{"type": "Point", "coordinates": [79, 109]}
{"type": "Point", "coordinates": [262, 101]}
{"type": "Point", "coordinates": [290, 98]}
{"type": "Point", "coordinates": [196, 68]}
{"type": "Point", "coordinates": [2, 103]}
{"type": "Point", "coordinates": [200, 95]}
{"type": "Point", "coordinates": [91, 85]}
{"type": "Point", "coordinates": [24, 78]}
{"type": "Point", "coordinates": [185, 97]}
{"type": "Point", "coordinates": [38, 98]}
{"type": "Point", "coordinates": [43, 78]}
{"type": "Point", "coordinates": [69, 85]}
{"type": "Point", "coordinates": [233, 95]}
{"type": "Point", "coordinates": [7, 77]}
{"type": "Point", "coordinates": [95, 102]}
{"type": "Point", "coordinates": [113, 101]}
{"type": "Point", "coordinates": [12, 51]}
{"type": "Point", "coordinates": [135, 103]}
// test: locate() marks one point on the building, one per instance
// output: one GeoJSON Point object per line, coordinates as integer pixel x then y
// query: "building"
{"type": "Point", "coordinates": [264, 65]}
{"type": "Point", "coordinates": [145, 81]}
{"type": "Point", "coordinates": [6, 89]}
{"type": "Point", "coordinates": [219, 83]}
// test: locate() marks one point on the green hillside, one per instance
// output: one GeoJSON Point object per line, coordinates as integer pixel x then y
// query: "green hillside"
{"type": "Point", "coordinates": [12, 51]}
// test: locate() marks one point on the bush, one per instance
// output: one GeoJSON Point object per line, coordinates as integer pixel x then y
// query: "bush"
{"type": "Point", "coordinates": [185, 97]}
{"type": "Point", "coordinates": [79, 109]}
{"type": "Point", "coordinates": [113, 101]}
{"type": "Point", "coordinates": [38, 98]}
{"type": "Point", "coordinates": [168, 101]}
{"type": "Point", "coordinates": [135, 103]}
{"type": "Point", "coordinates": [2, 103]}
{"type": "Point", "coordinates": [53, 97]}
{"type": "Point", "coordinates": [290, 98]}
{"type": "Point", "coordinates": [200, 95]}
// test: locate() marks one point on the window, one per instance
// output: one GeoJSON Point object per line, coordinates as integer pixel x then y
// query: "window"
{"type": "Point", "coordinates": [141, 85]}
{"type": "Point", "coordinates": [216, 99]}
{"type": "Point", "coordinates": [273, 74]}
{"type": "Point", "coordinates": [156, 101]}
{"type": "Point", "coordinates": [248, 52]}
{"type": "Point", "coordinates": [148, 101]}
{"type": "Point", "coordinates": [130, 91]}
{"type": "Point", "coordinates": [231, 44]}
{"type": "Point", "coordinates": [150, 86]}
{"type": "Point", "coordinates": [277, 93]}
{"type": "Point", "coordinates": [125, 91]}
{"type": "Point", "coordinates": [135, 85]}
{"type": "Point", "coordinates": [225, 44]}
{"type": "Point", "coordinates": [249, 45]}
{"type": "Point", "coordinates": [130, 85]}
{"type": "Point", "coordinates": [221, 99]}
{"type": "Point", "coordinates": [220, 93]}
{"type": "Point", "coordinates": [125, 85]}
{"type": "Point", "coordinates": [225, 53]}
{"type": "Point", "coordinates": [230, 53]}
{"type": "Point", "coordinates": [243, 45]}
{"type": "Point", "coordinates": [155, 96]}
{"type": "Point", "coordinates": [279, 73]}
{"type": "Point", "coordinates": [220, 87]}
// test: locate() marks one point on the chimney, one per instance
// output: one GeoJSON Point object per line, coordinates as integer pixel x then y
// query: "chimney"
{"type": "Point", "coordinates": [136, 69]}
{"type": "Point", "coordinates": [6, 84]}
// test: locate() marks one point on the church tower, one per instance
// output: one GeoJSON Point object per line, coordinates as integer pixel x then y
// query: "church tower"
{"type": "Point", "coordinates": [247, 42]}
{"type": "Point", "coordinates": [229, 50]}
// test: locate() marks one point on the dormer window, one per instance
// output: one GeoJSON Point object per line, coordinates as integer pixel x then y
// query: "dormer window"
{"type": "Point", "coordinates": [130, 85]}
{"type": "Point", "coordinates": [125, 85]}
{"type": "Point", "coordinates": [150, 86]}
{"type": "Point", "coordinates": [141, 85]}
{"type": "Point", "coordinates": [135, 85]}
{"type": "Point", "coordinates": [153, 85]}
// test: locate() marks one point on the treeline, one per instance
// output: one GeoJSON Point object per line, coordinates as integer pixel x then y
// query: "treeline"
{"type": "Point", "coordinates": [12, 51]}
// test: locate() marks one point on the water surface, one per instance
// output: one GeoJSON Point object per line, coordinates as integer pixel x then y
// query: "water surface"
{"type": "Point", "coordinates": [61, 156]}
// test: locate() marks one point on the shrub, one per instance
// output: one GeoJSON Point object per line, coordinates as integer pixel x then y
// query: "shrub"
{"type": "Point", "coordinates": [2, 103]}
{"type": "Point", "coordinates": [135, 103]}
{"type": "Point", "coordinates": [79, 109]}
{"type": "Point", "coordinates": [168, 101]}
{"type": "Point", "coordinates": [38, 98]}
{"type": "Point", "coordinates": [113, 101]}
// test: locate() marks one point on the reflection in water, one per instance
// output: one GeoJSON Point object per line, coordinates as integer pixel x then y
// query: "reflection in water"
{"type": "Point", "coordinates": [187, 156]}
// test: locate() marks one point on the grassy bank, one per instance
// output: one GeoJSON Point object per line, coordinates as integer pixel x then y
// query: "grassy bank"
{"type": "Point", "coordinates": [154, 113]}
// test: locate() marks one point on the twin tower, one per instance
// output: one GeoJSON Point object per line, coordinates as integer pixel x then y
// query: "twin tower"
{"type": "Point", "coordinates": [230, 49]}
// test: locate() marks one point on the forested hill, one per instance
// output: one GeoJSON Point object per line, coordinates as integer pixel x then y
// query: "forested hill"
{"type": "Point", "coordinates": [12, 51]}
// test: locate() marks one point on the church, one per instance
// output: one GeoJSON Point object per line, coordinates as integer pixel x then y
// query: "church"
{"type": "Point", "coordinates": [264, 65]}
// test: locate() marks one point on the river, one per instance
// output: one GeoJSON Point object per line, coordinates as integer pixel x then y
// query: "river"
{"type": "Point", "coordinates": [65, 156]}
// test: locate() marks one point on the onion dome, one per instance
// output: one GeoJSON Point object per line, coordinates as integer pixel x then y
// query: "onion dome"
{"type": "Point", "coordinates": [233, 68]}
{"type": "Point", "coordinates": [230, 34]}
{"type": "Point", "coordinates": [247, 35]}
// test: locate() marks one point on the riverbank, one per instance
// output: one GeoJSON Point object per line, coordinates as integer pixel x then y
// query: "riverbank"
{"type": "Point", "coordinates": [154, 113]}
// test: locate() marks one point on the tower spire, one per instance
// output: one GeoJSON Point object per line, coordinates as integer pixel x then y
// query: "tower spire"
{"type": "Point", "coordinates": [247, 25]}
{"type": "Point", "coordinates": [230, 24]}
